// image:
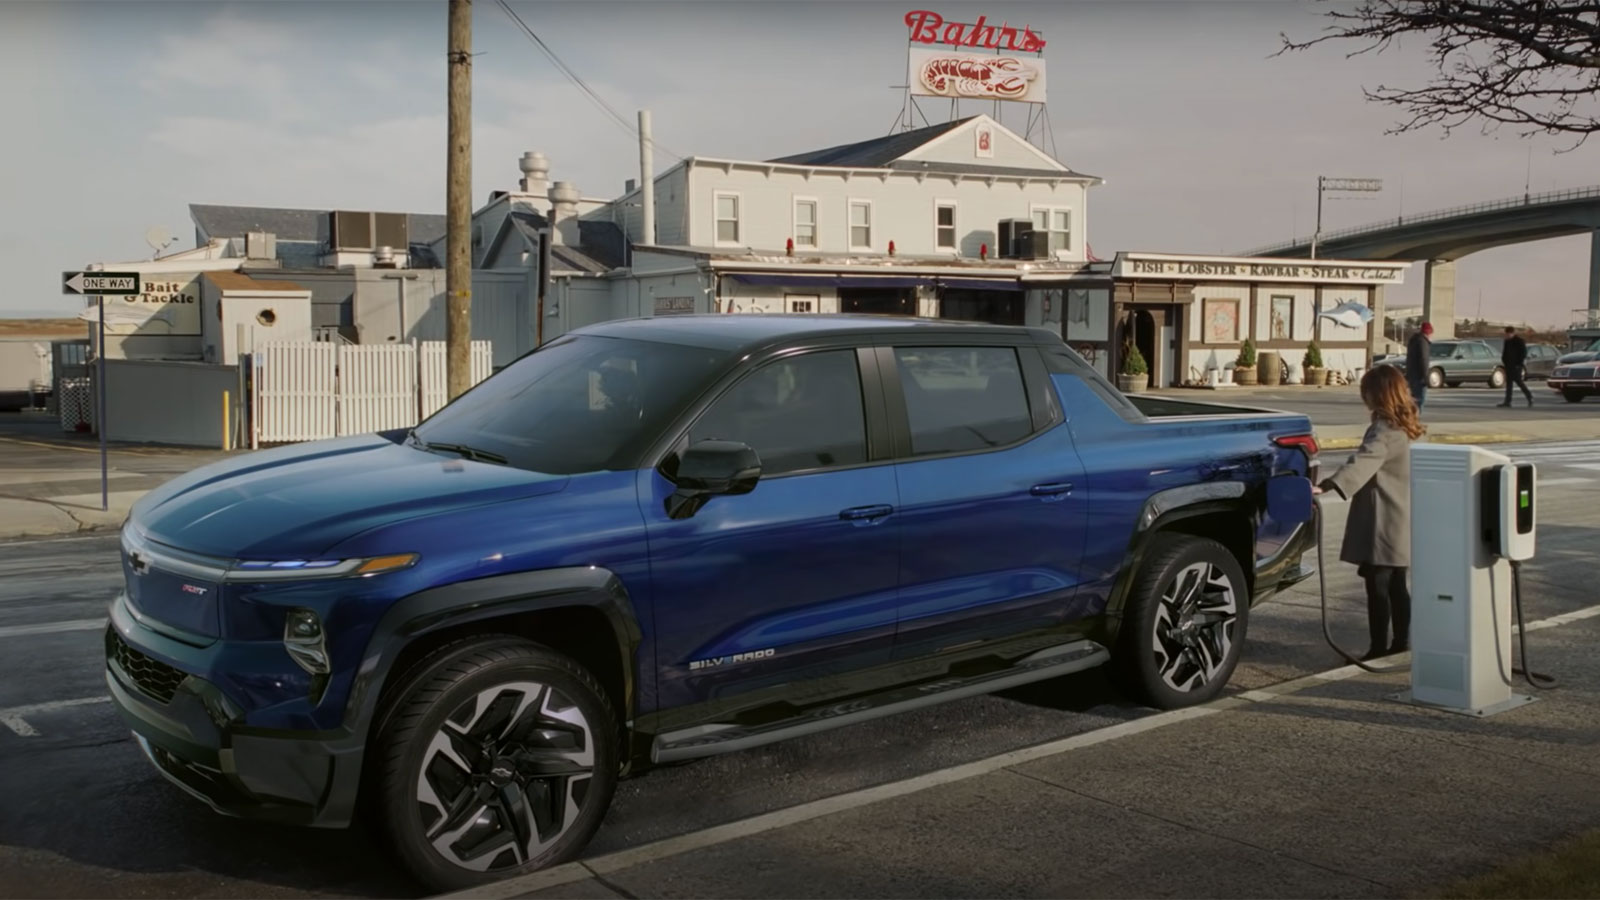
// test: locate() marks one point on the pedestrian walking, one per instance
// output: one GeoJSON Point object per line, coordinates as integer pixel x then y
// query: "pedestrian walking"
{"type": "Point", "coordinates": [1377, 482]}
{"type": "Point", "coordinates": [1418, 351]}
{"type": "Point", "coordinates": [1514, 356]}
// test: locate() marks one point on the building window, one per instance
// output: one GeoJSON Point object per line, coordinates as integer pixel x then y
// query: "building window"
{"type": "Point", "coordinates": [801, 303]}
{"type": "Point", "coordinates": [944, 226]}
{"type": "Point", "coordinates": [1058, 222]}
{"type": "Point", "coordinates": [727, 218]}
{"type": "Point", "coordinates": [805, 223]}
{"type": "Point", "coordinates": [860, 225]}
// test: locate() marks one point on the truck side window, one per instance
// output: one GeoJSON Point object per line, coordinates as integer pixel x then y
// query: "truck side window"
{"type": "Point", "coordinates": [963, 398]}
{"type": "Point", "coordinates": [799, 413]}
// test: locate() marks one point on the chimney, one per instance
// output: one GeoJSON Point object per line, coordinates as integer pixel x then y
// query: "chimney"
{"type": "Point", "coordinates": [564, 214]}
{"type": "Point", "coordinates": [647, 182]}
{"type": "Point", "coordinates": [535, 172]}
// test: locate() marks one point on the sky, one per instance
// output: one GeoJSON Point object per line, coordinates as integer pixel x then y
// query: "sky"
{"type": "Point", "coordinates": [118, 115]}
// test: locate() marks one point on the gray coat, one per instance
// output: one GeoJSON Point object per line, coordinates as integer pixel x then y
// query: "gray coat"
{"type": "Point", "coordinates": [1377, 481]}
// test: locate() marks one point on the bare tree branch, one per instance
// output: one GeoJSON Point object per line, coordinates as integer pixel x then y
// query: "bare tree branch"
{"type": "Point", "coordinates": [1532, 65]}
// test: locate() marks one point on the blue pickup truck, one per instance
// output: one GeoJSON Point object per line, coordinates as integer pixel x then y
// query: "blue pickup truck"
{"type": "Point", "coordinates": [662, 539]}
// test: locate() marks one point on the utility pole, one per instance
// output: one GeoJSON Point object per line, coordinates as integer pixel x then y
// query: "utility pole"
{"type": "Point", "coordinates": [458, 205]}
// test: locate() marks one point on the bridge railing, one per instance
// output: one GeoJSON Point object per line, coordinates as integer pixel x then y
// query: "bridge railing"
{"type": "Point", "coordinates": [1563, 196]}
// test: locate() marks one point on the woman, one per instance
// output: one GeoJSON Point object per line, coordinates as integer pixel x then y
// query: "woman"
{"type": "Point", "coordinates": [1377, 481]}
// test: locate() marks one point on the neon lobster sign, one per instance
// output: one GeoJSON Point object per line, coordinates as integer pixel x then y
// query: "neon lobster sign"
{"type": "Point", "coordinates": [931, 28]}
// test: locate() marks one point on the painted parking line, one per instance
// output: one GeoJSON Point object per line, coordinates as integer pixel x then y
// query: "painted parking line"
{"type": "Point", "coordinates": [14, 718]}
{"type": "Point", "coordinates": [609, 863]}
{"type": "Point", "coordinates": [1556, 482]}
{"type": "Point", "coordinates": [52, 627]}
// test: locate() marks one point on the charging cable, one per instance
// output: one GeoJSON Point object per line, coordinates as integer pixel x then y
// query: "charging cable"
{"type": "Point", "coordinates": [1535, 679]}
{"type": "Point", "coordinates": [1322, 589]}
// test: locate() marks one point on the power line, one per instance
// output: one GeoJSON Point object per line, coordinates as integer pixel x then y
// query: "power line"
{"type": "Point", "coordinates": [572, 76]}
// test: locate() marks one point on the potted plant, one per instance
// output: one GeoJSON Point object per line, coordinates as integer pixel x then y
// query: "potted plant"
{"type": "Point", "coordinates": [1244, 368]}
{"type": "Point", "coordinates": [1133, 376]}
{"type": "Point", "coordinates": [1315, 373]}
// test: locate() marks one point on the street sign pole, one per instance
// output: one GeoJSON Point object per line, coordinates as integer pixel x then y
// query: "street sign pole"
{"type": "Point", "coordinates": [100, 405]}
{"type": "Point", "coordinates": [97, 283]}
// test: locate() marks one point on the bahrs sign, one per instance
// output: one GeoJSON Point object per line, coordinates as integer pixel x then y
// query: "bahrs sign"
{"type": "Point", "coordinates": [931, 28]}
{"type": "Point", "coordinates": [974, 74]}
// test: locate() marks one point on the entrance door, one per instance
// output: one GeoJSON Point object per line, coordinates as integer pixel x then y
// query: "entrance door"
{"type": "Point", "coordinates": [1144, 337]}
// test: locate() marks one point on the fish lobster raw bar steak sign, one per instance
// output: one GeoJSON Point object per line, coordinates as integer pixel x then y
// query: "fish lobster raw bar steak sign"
{"type": "Point", "coordinates": [1224, 269]}
{"type": "Point", "coordinates": [974, 75]}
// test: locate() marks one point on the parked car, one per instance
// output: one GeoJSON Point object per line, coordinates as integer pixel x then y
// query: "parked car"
{"type": "Point", "coordinates": [1575, 381]}
{"type": "Point", "coordinates": [1541, 357]}
{"type": "Point", "coordinates": [1455, 362]}
{"type": "Point", "coordinates": [662, 539]}
{"type": "Point", "coordinates": [1587, 354]}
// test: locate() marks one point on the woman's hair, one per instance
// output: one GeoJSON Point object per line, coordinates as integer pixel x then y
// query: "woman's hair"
{"type": "Point", "coordinates": [1384, 391]}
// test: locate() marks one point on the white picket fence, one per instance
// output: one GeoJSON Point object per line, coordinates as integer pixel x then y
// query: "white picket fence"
{"type": "Point", "coordinates": [314, 390]}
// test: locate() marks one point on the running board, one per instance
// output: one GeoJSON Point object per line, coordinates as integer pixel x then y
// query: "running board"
{"type": "Point", "coordinates": [716, 739]}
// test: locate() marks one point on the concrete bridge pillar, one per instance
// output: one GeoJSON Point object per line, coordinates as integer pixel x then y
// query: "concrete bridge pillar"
{"type": "Point", "coordinates": [1439, 298]}
{"type": "Point", "coordinates": [1594, 271]}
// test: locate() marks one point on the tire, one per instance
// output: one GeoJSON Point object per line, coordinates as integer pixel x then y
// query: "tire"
{"type": "Point", "coordinates": [1497, 378]}
{"type": "Point", "coordinates": [1166, 656]}
{"type": "Point", "coordinates": [527, 732]}
{"type": "Point", "coordinates": [1573, 396]}
{"type": "Point", "coordinates": [1436, 378]}
{"type": "Point", "coordinates": [1454, 384]}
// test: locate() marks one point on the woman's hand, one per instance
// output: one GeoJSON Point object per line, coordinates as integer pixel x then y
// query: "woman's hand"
{"type": "Point", "coordinates": [1315, 490]}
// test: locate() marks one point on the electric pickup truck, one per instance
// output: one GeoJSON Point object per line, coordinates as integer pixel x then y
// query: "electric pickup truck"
{"type": "Point", "coordinates": [660, 539]}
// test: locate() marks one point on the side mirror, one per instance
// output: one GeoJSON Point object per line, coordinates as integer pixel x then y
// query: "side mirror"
{"type": "Point", "coordinates": [710, 469]}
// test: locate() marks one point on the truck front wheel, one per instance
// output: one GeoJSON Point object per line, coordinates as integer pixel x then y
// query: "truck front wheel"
{"type": "Point", "coordinates": [1184, 623]}
{"type": "Point", "coordinates": [498, 758]}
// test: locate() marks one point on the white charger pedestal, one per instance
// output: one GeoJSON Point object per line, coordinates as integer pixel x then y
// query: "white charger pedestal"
{"type": "Point", "coordinates": [1460, 588]}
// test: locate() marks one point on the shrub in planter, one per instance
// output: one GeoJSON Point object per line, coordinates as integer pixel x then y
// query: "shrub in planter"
{"type": "Point", "coordinates": [1133, 376]}
{"type": "Point", "coordinates": [1315, 373]}
{"type": "Point", "coordinates": [1244, 368]}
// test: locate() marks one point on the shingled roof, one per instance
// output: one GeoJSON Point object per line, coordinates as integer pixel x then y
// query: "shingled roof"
{"type": "Point", "coordinates": [877, 153]}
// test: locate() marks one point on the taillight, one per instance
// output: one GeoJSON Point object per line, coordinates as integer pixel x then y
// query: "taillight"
{"type": "Point", "coordinates": [1306, 442]}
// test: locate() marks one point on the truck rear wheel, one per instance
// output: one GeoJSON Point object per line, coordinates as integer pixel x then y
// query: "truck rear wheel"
{"type": "Point", "coordinates": [1183, 625]}
{"type": "Point", "coordinates": [498, 757]}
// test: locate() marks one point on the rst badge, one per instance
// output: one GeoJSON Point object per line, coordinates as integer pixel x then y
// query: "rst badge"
{"type": "Point", "coordinates": [715, 661]}
{"type": "Point", "coordinates": [196, 590]}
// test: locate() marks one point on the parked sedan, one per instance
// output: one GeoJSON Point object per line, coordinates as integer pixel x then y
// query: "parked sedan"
{"type": "Point", "coordinates": [1454, 363]}
{"type": "Point", "coordinates": [1541, 357]}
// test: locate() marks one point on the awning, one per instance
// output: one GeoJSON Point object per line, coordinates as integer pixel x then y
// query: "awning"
{"type": "Point", "coordinates": [982, 284]}
{"type": "Point", "coordinates": [854, 280]}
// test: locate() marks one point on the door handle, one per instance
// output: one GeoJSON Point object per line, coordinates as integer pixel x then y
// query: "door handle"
{"type": "Point", "coordinates": [1055, 489]}
{"type": "Point", "coordinates": [866, 513]}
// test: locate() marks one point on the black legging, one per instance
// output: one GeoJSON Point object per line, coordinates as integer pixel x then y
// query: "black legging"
{"type": "Point", "coordinates": [1388, 597]}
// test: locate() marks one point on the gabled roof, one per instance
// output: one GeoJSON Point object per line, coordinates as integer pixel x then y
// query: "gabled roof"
{"type": "Point", "coordinates": [876, 153]}
{"type": "Point", "coordinates": [909, 151]}
{"type": "Point", "coordinates": [307, 225]}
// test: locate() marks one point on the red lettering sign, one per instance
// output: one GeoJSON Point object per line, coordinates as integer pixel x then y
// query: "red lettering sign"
{"type": "Point", "coordinates": [931, 28]}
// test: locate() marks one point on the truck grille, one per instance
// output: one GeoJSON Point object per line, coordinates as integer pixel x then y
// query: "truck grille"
{"type": "Point", "coordinates": [155, 678]}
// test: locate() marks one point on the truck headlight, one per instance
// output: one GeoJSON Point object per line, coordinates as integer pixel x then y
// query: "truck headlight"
{"type": "Point", "coordinates": [300, 569]}
{"type": "Point", "coordinates": [303, 637]}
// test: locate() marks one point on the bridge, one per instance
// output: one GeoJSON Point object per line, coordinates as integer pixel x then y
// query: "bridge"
{"type": "Point", "coordinates": [1443, 236]}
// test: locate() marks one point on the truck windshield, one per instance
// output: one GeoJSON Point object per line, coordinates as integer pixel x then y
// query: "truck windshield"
{"type": "Point", "coordinates": [582, 404]}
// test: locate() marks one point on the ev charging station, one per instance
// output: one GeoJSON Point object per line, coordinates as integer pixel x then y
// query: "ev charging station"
{"type": "Point", "coordinates": [1473, 515]}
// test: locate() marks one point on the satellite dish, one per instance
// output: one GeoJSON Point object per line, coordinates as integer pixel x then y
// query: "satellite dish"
{"type": "Point", "coordinates": [158, 238]}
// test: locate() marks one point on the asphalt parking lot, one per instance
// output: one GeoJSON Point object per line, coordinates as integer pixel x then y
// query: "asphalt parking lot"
{"type": "Point", "coordinates": [87, 816]}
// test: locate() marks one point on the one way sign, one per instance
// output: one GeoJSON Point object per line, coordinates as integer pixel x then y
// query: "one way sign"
{"type": "Point", "coordinates": [100, 283]}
